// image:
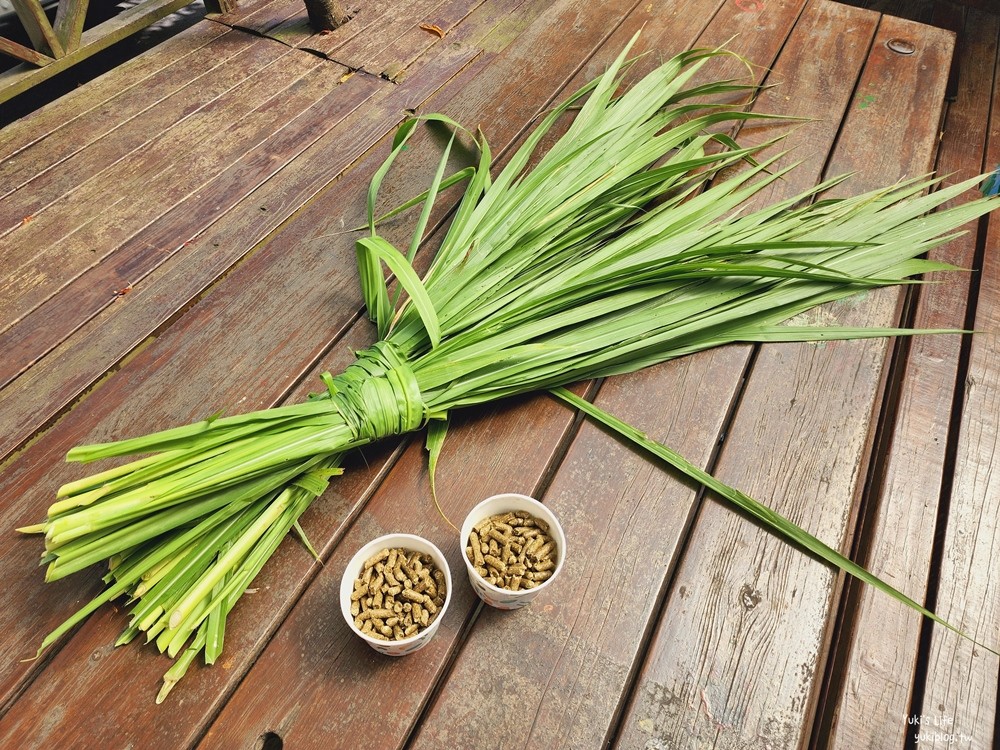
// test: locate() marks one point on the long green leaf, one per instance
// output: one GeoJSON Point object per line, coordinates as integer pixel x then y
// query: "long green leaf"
{"type": "Point", "coordinates": [774, 521]}
{"type": "Point", "coordinates": [381, 250]}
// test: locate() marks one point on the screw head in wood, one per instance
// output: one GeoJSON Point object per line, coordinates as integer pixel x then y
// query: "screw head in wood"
{"type": "Point", "coordinates": [901, 46]}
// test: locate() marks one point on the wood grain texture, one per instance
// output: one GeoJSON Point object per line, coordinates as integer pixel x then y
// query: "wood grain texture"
{"type": "Point", "coordinates": [357, 51]}
{"type": "Point", "coordinates": [372, 24]}
{"type": "Point", "coordinates": [69, 23]}
{"type": "Point", "coordinates": [123, 272]}
{"type": "Point", "coordinates": [753, 605]}
{"type": "Point", "coordinates": [58, 114]}
{"type": "Point", "coordinates": [36, 23]}
{"type": "Point", "coordinates": [262, 17]}
{"type": "Point", "coordinates": [962, 680]}
{"type": "Point", "coordinates": [111, 324]}
{"type": "Point", "coordinates": [194, 261]}
{"type": "Point", "coordinates": [295, 29]}
{"type": "Point", "coordinates": [875, 678]}
{"type": "Point", "coordinates": [426, 30]}
{"type": "Point", "coordinates": [45, 255]}
{"type": "Point", "coordinates": [242, 9]}
{"type": "Point", "coordinates": [25, 54]}
{"type": "Point", "coordinates": [49, 185]}
{"type": "Point", "coordinates": [387, 46]}
{"type": "Point", "coordinates": [39, 152]}
{"type": "Point", "coordinates": [320, 107]}
{"type": "Point", "coordinates": [915, 10]}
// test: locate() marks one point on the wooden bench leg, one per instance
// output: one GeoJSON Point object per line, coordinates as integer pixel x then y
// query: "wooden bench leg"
{"type": "Point", "coordinates": [220, 6]}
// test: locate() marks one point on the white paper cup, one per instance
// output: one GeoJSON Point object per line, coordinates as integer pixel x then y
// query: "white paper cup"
{"type": "Point", "coordinates": [491, 506]}
{"type": "Point", "coordinates": [354, 570]}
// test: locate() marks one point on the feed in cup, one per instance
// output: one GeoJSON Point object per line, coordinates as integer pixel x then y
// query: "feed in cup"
{"type": "Point", "coordinates": [512, 550]}
{"type": "Point", "coordinates": [398, 594]}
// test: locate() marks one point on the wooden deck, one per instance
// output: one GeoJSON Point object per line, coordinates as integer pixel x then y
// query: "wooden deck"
{"type": "Point", "coordinates": [171, 244]}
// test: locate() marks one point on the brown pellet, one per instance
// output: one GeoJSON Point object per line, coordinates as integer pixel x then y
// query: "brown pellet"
{"type": "Point", "coordinates": [360, 592]}
{"type": "Point", "coordinates": [410, 572]}
{"type": "Point", "coordinates": [412, 595]}
{"type": "Point", "coordinates": [543, 553]}
{"type": "Point", "coordinates": [497, 536]}
{"type": "Point", "coordinates": [398, 593]}
{"type": "Point", "coordinates": [375, 559]}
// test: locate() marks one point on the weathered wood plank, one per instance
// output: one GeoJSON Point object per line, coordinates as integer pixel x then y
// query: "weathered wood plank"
{"type": "Point", "coordinates": [200, 259]}
{"type": "Point", "coordinates": [394, 57]}
{"type": "Point", "coordinates": [243, 8]}
{"type": "Point", "coordinates": [738, 654]}
{"type": "Point", "coordinates": [239, 58]}
{"type": "Point", "coordinates": [36, 24]}
{"type": "Point", "coordinates": [72, 306]}
{"type": "Point", "coordinates": [961, 683]}
{"type": "Point", "coordinates": [261, 17]}
{"type": "Point", "coordinates": [915, 10]}
{"type": "Point", "coordinates": [874, 678]}
{"type": "Point", "coordinates": [361, 48]}
{"type": "Point", "coordinates": [23, 133]}
{"type": "Point", "coordinates": [80, 230]}
{"type": "Point", "coordinates": [388, 45]}
{"type": "Point", "coordinates": [58, 317]}
{"type": "Point", "coordinates": [25, 54]}
{"type": "Point", "coordinates": [38, 394]}
{"type": "Point", "coordinates": [69, 23]}
{"type": "Point", "coordinates": [49, 150]}
{"type": "Point", "coordinates": [294, 28]}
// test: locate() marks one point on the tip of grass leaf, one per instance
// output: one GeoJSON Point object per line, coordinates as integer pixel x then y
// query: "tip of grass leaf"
{"type": "Point", "coordinates": [168, 685]}
{"type": "Point", "coordinates": [30, 659]}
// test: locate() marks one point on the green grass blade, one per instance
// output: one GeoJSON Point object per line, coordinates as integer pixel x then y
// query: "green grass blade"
{"type": "Point", "coordinates": [774, 521]}
{"type": "Point", "coordinates": [437, 431]}
{"type": "Point", "coordinates": [380, 250]}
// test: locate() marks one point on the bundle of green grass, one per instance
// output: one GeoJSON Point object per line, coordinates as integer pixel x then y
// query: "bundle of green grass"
{"type": "Point", "coordinates": [622, 247]}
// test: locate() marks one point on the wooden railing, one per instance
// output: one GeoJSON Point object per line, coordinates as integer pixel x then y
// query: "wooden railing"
{"type": "Point", "coordinates": [62, 43]}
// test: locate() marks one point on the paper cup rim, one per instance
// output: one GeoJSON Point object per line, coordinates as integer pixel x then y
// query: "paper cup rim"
{"type": "Point", "coordinates": [367, 550]}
